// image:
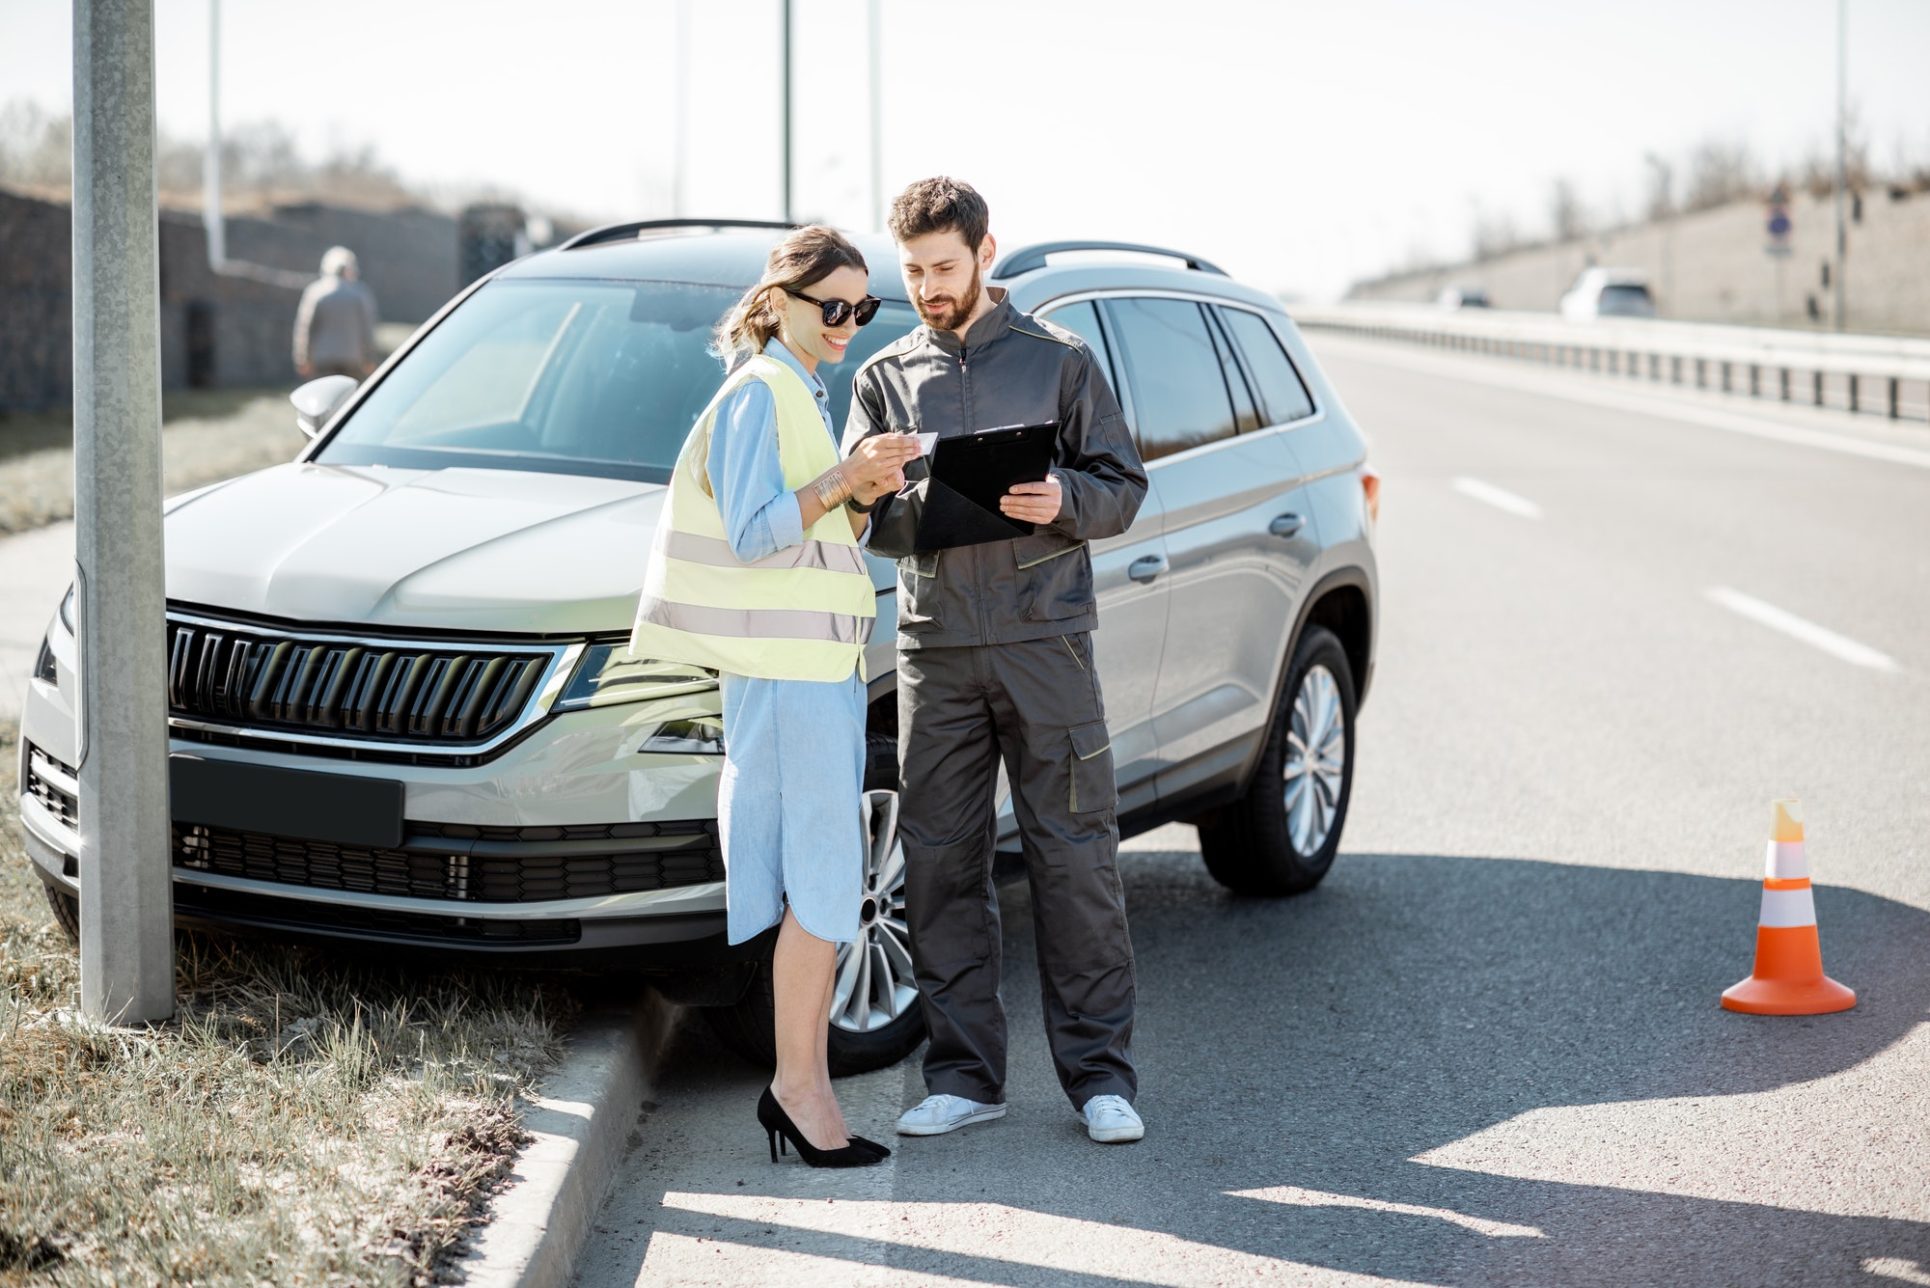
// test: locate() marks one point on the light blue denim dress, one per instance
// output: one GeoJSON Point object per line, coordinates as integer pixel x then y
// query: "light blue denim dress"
{"type": "Point", "coordinates": [794, 749]}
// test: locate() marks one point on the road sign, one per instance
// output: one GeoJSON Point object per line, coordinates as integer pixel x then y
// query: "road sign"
{"type": "Point", "coordinates": [1778, 224]}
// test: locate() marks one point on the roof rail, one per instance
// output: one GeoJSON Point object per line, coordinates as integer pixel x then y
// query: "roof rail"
{"type": "Point", "coordinates": [636, 227]}
{"type": "Point", "coordinates": [1027, 258]}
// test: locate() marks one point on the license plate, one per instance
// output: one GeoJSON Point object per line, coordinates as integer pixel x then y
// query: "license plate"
{"type": "Point", "coordinates": [285, 802]}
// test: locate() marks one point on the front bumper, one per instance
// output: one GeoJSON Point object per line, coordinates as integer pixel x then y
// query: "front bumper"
{"type": "Point", "coordinates": [539, 815]}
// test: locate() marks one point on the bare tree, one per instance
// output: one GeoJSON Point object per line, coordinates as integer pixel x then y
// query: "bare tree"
{"type": "Point", "coordinates": [1720, 171]}
{"type": "Point", "coordinates": [1492, 233]}
{"type": "Point", "coordinates": [1567, 217]}
{"type": "Point", "coordinates": [1659, 201]}
{"type": "Point", "coordinates": [36, 148]}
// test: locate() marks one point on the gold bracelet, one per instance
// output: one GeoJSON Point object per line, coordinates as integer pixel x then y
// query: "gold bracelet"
{"type": "Point", "coordinates": [832, 489]}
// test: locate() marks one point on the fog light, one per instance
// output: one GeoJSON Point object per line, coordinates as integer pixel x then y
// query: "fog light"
{"type": "Point", "coordinates": [700, 736]}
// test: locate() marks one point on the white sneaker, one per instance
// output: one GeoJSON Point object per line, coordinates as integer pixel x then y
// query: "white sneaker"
{"type": "Point", "coordinates": [936, 1115]}
{"type": "Point", "coordinates": [1110, 1120]}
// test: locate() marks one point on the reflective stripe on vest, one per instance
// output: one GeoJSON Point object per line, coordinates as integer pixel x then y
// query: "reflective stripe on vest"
{"type": "Point", "coordinates": [756, 623]}
{"type": "Point", "coordinates": [716, 552]}
{"type": "Point", "coordinates": [801, 613]}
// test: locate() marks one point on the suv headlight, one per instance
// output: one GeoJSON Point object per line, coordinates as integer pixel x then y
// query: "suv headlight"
{"type": "Point", "coordinates": [608, 674]}
{"type": "Point", "coordinates": [67, 609]}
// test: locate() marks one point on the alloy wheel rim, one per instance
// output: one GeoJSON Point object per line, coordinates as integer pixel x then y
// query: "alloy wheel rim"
{"type": "Point", "coordinates": [873, 983]}
{"type": "Point", "coordinates": [1316, 763]}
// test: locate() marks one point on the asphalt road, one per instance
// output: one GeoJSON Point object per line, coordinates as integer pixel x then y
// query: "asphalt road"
{"type": "Point", "coordinates": [1487, 1049]}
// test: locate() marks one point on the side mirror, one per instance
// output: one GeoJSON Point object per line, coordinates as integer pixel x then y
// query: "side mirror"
{"type": "Point", "coordinates": [317, 400]}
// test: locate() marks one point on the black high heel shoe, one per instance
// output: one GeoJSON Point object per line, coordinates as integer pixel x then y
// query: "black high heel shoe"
{"type": "Point", "coordinates": [779, 1128]}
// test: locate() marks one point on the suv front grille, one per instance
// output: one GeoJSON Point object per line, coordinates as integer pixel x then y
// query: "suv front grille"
{"type": "Point", "coordinates": [461, 863]}
{"type": "Point", "coordinates": [388, 691]}
{"type": "Point", "coordinates": [53, 785]}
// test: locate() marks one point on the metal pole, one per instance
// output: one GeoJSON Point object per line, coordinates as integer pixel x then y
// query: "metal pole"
{"type": "Point", "coordinates": [680, 164]}
{"type": "Point", "coordinates": [126, 912]}
{"type": "Point", "coordinates": [1842, 152]}
{"type": "Point", "coordinates": [789, 216]}
{"type": "Point", "coordinates": [875, 45]}
{"type": "Point", "coordinates": [211, 176]}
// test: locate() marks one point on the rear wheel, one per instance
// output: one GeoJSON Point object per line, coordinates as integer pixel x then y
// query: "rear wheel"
{"type": "Point", "coordinates": [875, 1021]}
{"type": "Point", "coordinates": [1281, 836]}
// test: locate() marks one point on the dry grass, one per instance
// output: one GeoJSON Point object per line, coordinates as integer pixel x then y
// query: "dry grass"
{"type": "Point", "coordinates": [301, 1120]}
{"type": "Point", "coordinates": [207, 435]}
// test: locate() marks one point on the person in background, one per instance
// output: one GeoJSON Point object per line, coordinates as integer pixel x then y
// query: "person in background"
{"type": "Point", "coordinates": [335, 325]}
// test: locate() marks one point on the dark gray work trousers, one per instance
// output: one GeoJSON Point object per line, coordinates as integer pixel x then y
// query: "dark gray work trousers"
{"type": "Point", "coordinates": [1037, 705]}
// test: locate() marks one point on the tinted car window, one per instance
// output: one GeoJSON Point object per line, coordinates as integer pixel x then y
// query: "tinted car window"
{"type": "Point", "coordinates": [599, 378]}
{"type": "Point", "coordinates": [1286, 398]}
{"type": "Point", "coordinates": [1245, 414]}
{"type": "Point", "coordinates": [1082, 320]}
{"type": "Point", "coordinates": [1179, 395]}
{"type": "Point", "coordinates": [1625, 300]}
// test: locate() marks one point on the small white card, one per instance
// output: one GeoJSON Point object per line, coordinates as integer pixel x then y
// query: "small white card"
{"type": "Point", "coordinates": [926, 442]}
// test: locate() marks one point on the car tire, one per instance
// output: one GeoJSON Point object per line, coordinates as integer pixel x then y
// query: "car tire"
{"type": "Point", "coordinates": [66, 911]}
{"type": "Point", "coordinates": [1280, 837]}
{"type": "Point", "coordinates": [893, 1027]}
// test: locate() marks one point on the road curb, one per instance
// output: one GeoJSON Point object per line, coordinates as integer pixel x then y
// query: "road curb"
{"type": "Point", "coordinates": [538, 1223]}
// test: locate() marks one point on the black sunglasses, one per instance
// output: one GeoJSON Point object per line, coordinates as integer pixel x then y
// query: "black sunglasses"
{"type": "Point", "coordinates": [836, 311]}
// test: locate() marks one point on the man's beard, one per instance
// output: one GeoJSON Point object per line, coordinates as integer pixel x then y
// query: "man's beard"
{"type": "Point", "coordinates": [952, 316]}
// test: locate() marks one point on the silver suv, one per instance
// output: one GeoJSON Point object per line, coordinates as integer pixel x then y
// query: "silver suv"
{"type": "Point", "coordinates": [401, 714]}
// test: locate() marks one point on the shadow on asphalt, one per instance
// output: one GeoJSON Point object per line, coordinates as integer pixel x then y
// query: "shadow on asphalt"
{"type": "Point", "coordinates": [1324, 1042]}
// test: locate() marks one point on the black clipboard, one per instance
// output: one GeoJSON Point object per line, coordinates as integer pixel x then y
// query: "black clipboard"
{"type": "Point", "coordinates": [970, 472]}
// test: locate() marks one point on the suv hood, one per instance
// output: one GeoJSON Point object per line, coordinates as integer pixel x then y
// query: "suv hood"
{"type": "Point", "coordinates": [454, 549]}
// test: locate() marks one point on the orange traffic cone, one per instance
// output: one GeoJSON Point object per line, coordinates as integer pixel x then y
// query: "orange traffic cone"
{"type": "Point", "coordinates": [1788, 978]}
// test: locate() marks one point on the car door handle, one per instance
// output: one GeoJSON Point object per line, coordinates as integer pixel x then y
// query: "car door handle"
{"type": "Point", "coordinates": [1147, 568]}
{"type": "Point", "coordinates": [1286, 525]}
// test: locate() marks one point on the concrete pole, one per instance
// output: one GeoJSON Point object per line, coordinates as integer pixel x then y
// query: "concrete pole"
{"type": "Point", "coordinates": [126, 899]}
{"type": "Point", "coordinates": [1842, 155]}
{"type": "Point", "coordinates": [211, 168]}
{"type": "Point", "coordinates": [875, 51]}
{"type": "Point", "coordinates": [680, 114]}
{"type": "Point", "coordinates": [789, 216]}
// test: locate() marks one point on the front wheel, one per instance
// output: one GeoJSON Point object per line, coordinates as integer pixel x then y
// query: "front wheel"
{"type": "Point", "coordinates": [1281, 836]}
{"type": "Point", "coordinates": [875, 1020]}
{"type": "Point", "coordinates": [66, 910]}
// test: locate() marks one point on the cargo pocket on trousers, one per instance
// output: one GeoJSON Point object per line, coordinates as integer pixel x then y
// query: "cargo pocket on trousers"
{"type": "Point", "coordinates": [1093, 790]}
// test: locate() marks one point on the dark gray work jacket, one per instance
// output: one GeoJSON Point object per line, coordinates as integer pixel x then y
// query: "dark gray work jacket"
{"type": "Point", "coordinates": [1011, 369]}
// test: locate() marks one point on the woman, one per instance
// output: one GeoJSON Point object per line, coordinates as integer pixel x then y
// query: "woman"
{"type": "Point", "coordinates": [756, 573]}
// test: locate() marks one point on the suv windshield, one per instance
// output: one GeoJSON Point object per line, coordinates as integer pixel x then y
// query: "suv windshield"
{"type": "Point", "coordinates": [567, 377]}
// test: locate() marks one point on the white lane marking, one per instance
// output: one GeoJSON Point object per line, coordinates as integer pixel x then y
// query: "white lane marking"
{"type": "Point", "coordinates": [1838, 646]}
{"type": "Point", "coordinates": [1909, 1272]}
{"type": "Point", "coordinates": [1560, 386]}
{"type": "Point", "coordinates": [1497, 497]}
{"type": "Point", "coordinates": [1294, 1196]}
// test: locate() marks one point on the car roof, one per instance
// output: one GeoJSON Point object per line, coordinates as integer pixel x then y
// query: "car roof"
{"type": "Point", "coordinates": [1616, 276]}
{"type": "Point", "coordinates": [734, 257]}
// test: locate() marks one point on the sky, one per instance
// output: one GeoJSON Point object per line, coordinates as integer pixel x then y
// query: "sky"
{"type": "Point", "coordinates": [1300, 145]}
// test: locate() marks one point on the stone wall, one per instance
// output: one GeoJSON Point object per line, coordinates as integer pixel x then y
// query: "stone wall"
{"type": "Point", "coordinates": [408, 257]}
{"type": "Point", "coordinates": [216, 328]}
{"type": "Point", "coordinates": [1711, 267]}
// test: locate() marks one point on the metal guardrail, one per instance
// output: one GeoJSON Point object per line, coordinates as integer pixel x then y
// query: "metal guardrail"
{"type": "Point", "coordinates": [1872, 374]}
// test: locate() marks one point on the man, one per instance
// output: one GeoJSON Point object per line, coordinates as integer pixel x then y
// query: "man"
{"type": "Point", "coordinates": [996, 661]}
{"type": "Point", "coordinates": [335, 325]}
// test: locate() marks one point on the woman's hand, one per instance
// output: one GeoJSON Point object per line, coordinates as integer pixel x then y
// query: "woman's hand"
{"type": "Point", "coordinates": [876, 467]}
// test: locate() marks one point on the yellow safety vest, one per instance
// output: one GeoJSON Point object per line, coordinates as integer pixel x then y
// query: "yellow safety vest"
{"type": "Point", "coordinates": [803, 613]}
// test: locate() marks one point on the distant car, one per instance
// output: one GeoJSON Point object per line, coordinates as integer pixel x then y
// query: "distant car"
{"type": "Point", "coordinates": [1462, 297]}
{"type": "Point", "coordinates": [1608, 293]}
